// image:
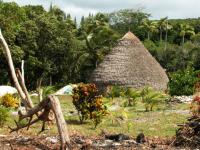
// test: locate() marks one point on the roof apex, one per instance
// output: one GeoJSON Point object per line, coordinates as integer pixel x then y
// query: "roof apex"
{"type": "Point", "coordinates": [130, 36]}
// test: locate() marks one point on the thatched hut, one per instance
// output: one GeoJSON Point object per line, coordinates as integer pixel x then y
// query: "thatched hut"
{"type": "Point", "coordinates": [130, 64]}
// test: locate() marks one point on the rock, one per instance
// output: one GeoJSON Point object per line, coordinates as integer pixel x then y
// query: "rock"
{"type": "Point", "coordinates": [53, 140]}
{"type": "Point", "coordinates": [140, 138]}
{"type": "Point", "coordinates": [23, 139]}
{"type": "Point", "coordinates": [181, 99]}
{"type": "Point", "coordinates": [108, 141]}
{"type": "Point", "coordinates": [114, 107]}
{"type": "Point", "coordinates": [117, 137]}
{"type": "Point", "coordinates": [116, 144]}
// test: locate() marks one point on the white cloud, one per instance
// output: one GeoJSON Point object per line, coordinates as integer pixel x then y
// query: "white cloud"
{"type": "Point", "coordinates": [158, 8]}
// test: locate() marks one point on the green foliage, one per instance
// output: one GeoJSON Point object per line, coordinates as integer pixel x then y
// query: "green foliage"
{"type": "Point", "coordinates": [88, 103]}
{"type": "Point", "coordinates": [115, 91]}
{"type": "Point", "coordinates": [182, 82]}
{"type": "Point", "coordinates": [9, 101]}
{"type": "Point", "coordinates": [4, 115]}
{"type": "Point", "coordinates": [152, 98]}
{"type": "Point", "coordinates": [132, 96]}
{"type": "Point", "coordinates": [48, 90]}
{"type": "Point", "coordinates": [128, 19]}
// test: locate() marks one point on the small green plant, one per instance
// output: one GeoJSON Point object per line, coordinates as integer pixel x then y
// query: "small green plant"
{"type": "Point", "coordinates": [9, 101]}
{"type": "Point", "coordinates": [88, 103]}
{"type": "Point", "coordinates": [4, 115]}
{"type": "Point", "coordinates": [152, 98]}
{"type": "Point", "coordinates": [132, 96]}
{"type": "Point", "coordinates": [115, 91]}
{"type": "Point", "coordinates": [129, 126]}
{"type": "Point", "coordinates": [48, 90]}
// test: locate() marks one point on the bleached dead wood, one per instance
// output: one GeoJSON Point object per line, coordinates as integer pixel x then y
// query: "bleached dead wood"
{"type": "Point", "coordinates": [27, 103]}
{"type": "Point", "coordinates": [42, 111]}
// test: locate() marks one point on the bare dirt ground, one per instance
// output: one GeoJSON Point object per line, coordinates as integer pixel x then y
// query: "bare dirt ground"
{"type": "Point", "coordinates": [43, 142]}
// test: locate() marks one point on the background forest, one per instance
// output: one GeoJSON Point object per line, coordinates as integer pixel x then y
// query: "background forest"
{"type": "Point", "coordinates": [57, 50]}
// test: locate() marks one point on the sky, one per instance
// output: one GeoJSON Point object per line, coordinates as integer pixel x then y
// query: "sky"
{"type": "Point", "coordinates": [157, 8]}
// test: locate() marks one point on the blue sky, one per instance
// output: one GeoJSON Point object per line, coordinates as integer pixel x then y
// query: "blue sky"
{"type": "Point", "coordinates": [157, 8]}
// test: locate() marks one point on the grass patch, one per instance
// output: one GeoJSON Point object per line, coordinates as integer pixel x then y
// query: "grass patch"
{"type": "Point", "coordinates": [160, 122]}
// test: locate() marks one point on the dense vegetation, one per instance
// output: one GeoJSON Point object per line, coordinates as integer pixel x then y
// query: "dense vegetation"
{"type": "Point", "coordinates": [57, 50]}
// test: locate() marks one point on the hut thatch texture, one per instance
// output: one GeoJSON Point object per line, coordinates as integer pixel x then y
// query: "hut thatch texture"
{"type": "Point", "coordinates": [130, 64]}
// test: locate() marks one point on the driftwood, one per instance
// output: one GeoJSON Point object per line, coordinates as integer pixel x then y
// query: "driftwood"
{"type": "Point", "coordinates": [21, 82]}
{"type": "Point", "coordinates": [61, 124]}
{"type": "Point", "coordinates": [41, 112]}
{"type": "Point", "coordinates": [27, 103]}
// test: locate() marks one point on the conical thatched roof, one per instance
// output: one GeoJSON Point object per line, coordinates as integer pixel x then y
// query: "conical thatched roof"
{"type": "Point", "coordinates": [130, 64]}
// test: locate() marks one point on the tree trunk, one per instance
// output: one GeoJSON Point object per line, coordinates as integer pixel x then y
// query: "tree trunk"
{"type": "Point", "coordinates": [50, 80]}
{"type": "Point", "coordinates": [22, 70]}
{"type": "Point", "coordinates": [27, 103]}
{"type": "Point", "coordinates": [39, 90]}
{"type": "Point", "coordinates": [183, 40]}
{"type": "Point", "coordinates": [61, 123]}
{"type": "Point", "coordinates": [160, 35]}
{"type": "Point", "coordinates": [148, 34]}
{"type": "Point", "coordinates": [21, 81]}
{"type": "Point", "coordinates": [166, 40]}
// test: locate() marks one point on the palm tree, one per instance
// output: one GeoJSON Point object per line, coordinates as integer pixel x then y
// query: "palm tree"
{"type": "Point", "coordinates": [150, 26]}
{"type": "Point", "coordinates": [162, 26]}
{"type": "Point", "coordinates": [186, 29]}
{"type": "Point", "coordinates": [98, 37]}
{"type": "Point", "coordinates": [167, 27]}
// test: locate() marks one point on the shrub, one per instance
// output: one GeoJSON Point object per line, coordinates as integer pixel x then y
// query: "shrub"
{"type": "Point", "coordinates": [4, 114]}
{"type": "Point", "coordinates": [88, 104]}
{"type": "Point", "coordinates": [9, 100]}
{"type": "Point", "coordinates": [152, 98]}
{"type": "Point", "coordinates": [182, 82]}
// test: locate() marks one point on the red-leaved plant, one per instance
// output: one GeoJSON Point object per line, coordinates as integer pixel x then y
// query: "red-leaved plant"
{"type": "Point", "coordinates": [88, 103]}
{"type": "Point", "coordinates": [195, 105]}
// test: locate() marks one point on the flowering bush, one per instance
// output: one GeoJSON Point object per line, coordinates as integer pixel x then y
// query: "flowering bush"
{"type": "Point", "coordinates": [9, 101]}
{"type": "Point", "coordinates": [88, 103]}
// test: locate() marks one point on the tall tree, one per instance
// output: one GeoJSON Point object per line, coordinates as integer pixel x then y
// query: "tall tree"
{"type": "Point", "coordinates": [186, 29]}
{"type": "Point", "coordinates": [149, 26]}
{"type": "Point", "coordinates": [167, 28]}
{"type": "Point", "coordinates": [161, 26]}
{"type": "Point", "coordinates": [99, 36]}
{"type": "Point", "coordinates": [128, 19]}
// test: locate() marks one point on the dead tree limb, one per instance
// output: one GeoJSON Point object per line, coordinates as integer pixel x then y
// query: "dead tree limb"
{"type": "Point", "coordinates": [48, 104]}
{"type": "Point", "coordinates": [27, 103]}
{"type": "Point", "coordinates": [42, 110]}
{"type": "Point", "coordinates": [21, 82]}
{"type": "Point", "coordinates": [61, 124]}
